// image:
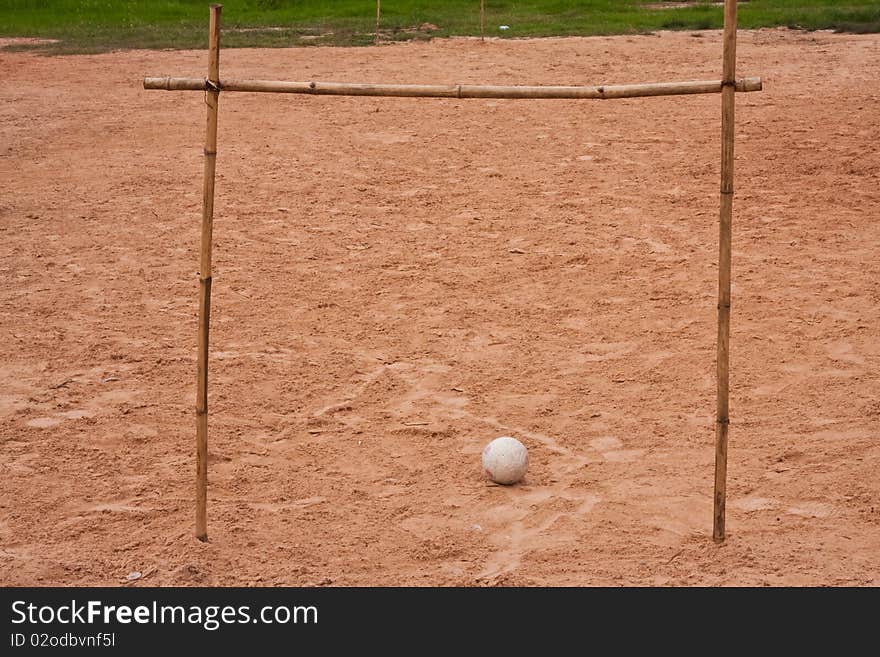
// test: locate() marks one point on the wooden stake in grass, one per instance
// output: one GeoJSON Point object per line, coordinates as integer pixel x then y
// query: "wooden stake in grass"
{"type": "Point", "coordinates": [378, 18]}
{"type": "Point", "coordinates": [482, 20]}
{"type": "Point", "coordinates": [722, 421]}
{"type": "Point", "coordinates": [212, 96]}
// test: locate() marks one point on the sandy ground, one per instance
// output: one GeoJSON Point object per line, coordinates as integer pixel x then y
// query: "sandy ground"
{"type": "Point", "coordinates": [398, 281]}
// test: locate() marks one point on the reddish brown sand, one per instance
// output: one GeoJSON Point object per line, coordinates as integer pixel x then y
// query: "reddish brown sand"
{"type": "Point", "coordinates": [398, 281]}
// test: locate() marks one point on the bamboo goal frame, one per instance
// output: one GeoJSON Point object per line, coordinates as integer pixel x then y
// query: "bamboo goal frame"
{"type": "Point", "coordinates": [727, 86]}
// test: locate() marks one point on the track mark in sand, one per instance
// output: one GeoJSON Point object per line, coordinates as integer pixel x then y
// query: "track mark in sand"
{"type": "Point", "coordinates": [455, 410]}
{"type": "Point", "coordinates": [47, 422]}
{"type": "Point", "coordinates": [452, 407]}
{"type": "Point", "coordinates": [117, 507]}
{"type": "Point", "coordinates": [843, 351]}
{"type": "Point", "coordinates": [656, 246]}
{"type": "Point", "coordinates": [507, 559]}
{"type": "Point", "coordinates": [595, 352]}
{"type": "Point", "coordinates": [346, 403]}
{"type": "Point", "coordinates": [517, 537]}
{"type": "Point", "coordinates": [520, 533]}
{"type": "Point", "coordinates": [811, 510]}
{"type": "Point", "coordinates": [548, 441]}
{"type": "Point", "coordinates": [656, 358]}
{"type": "Point", "coordinates": [424, 387]}
{"type": "Point", "coordinates": [798, 373]}
{"type": "Point", "coordinates": [22, 552]}
{"type": "Point", "coordinates": [623, 455]}
{"type": "Point", "coordinates": [85, 512]}
{"type": "Point", "coordinates": [44, 422]}
{"type": "Point", "coordinates": [11, 404]}
{"type": "Point", "coordinates": [271, 354]}
{"type": "Point", "coordinates": [76, 415]}
{"type": "Point", "coordinates": [385, 138]}
{"type": "Point", "coordinates": [754, 504]}
{"type": "Point", "coordinates": [610, 449]}
{"type": "Point", "coordinates": [286, 506]}
{"type": "Point", "coordinates": [514, 526]}
{"type": "Point", "coordinates": [605, 443]}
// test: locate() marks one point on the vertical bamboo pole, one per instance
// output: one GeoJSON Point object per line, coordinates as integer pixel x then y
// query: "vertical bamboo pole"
{"type": "Point", "coordinates": [378, 18]}
{"type": "Point", "coordinates": [212, 96]}
{"type": "Point", "coordinates": [722, 422]}
{"type": "Point", "coordinates": [482, 20]}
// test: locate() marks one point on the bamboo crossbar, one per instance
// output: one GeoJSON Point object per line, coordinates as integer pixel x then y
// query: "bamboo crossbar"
{"type": "Point", "coordinates": [454, 90]}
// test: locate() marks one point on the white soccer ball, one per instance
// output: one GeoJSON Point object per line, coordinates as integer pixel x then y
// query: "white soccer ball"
{"type": "Point", "coordinates": [505, 460]}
